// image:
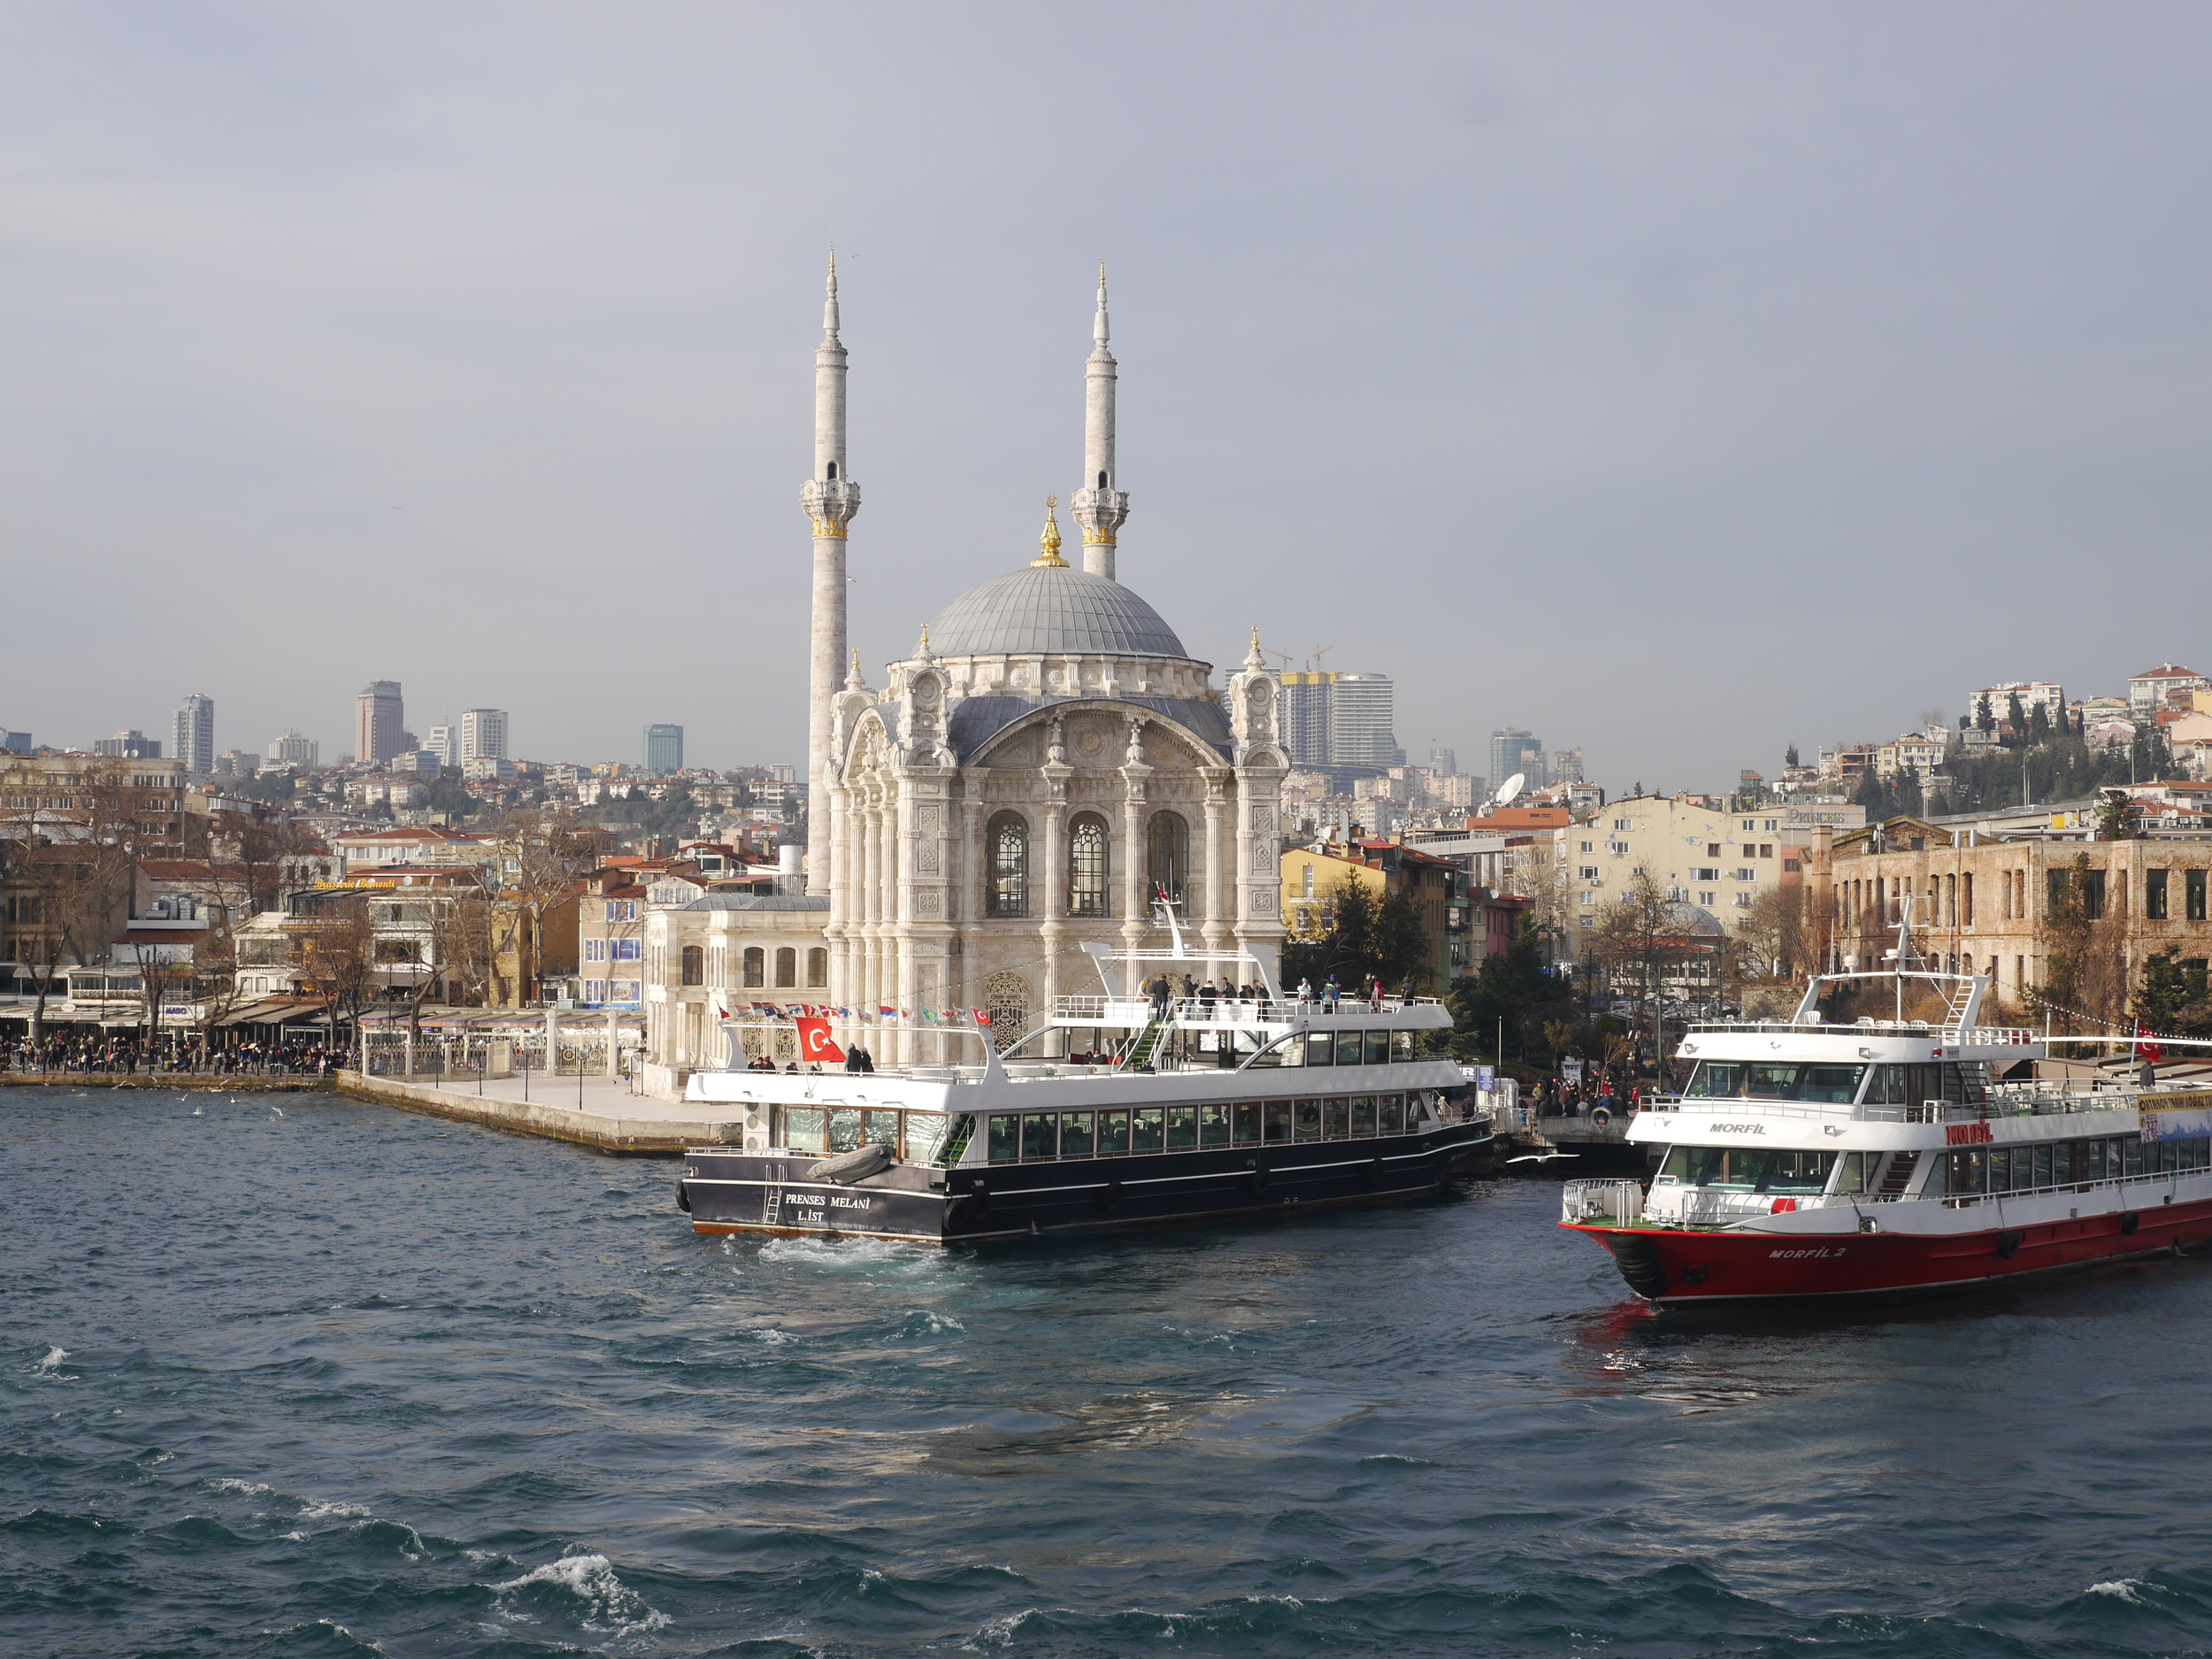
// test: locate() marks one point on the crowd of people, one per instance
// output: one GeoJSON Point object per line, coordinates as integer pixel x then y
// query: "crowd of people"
{"type": "Point", "coordinates": [1557, 1097]}
{"type": "Point", "coordinates": [102, 1052]}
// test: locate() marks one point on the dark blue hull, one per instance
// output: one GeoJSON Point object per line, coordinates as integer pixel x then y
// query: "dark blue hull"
{"type": "Point", "coordinates": [751, 1192]}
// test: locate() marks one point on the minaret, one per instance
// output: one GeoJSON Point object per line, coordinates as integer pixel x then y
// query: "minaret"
{"type": "Point", "coordinates": [1098, 506]}
{"type": "Point", "coordinates": [831, 499]}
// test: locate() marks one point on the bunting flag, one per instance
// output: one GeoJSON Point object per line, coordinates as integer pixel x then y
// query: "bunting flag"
{"type": "Point", "coordinates": [982, 1018]}
{"type": "Point", "coordinates": [929, 1017]}
{"type": "Point", "coordinates": [886, 1013]}
{"type": "Point", "coordinates": [844, 1013]}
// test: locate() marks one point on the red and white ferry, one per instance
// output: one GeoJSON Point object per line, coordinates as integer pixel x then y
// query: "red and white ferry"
{"type": "Point", "coordinates": [1806, 1158]}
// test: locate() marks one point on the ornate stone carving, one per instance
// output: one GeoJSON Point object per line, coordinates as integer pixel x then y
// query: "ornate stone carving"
{"type": "Point", "coordinates": [925, 899]}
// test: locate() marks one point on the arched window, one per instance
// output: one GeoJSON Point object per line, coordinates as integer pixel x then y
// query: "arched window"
{"type": "Point", "coordinates": [787, 967]}
{"type": "Point", "coordinates": [695, 966]}
{"type": "Point", "coordinates": [1167, 855]}
{"type": "Point", "coordinates": [1006, 891]}
{"type": "Point", "coordinates": [1101, 480]}
{"type": "Point", "coordinates": [817, 968]}
{"type": "Point", "coordinates": [1087, 865]}
{"type": "Point", "coordinates": [756, 966]}
{"type": "Point", "coordinates": [832, 472]}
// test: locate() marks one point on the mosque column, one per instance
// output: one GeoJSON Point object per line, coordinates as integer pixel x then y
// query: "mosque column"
{"type": "Point", "coordinates": [1259, 865]}
{"type": "Point", "coordinates": [1056, 773]}
{"type": "Point", "coordinates": [868, 853]}
{"type": "Point", "coordinates": [840, 891]}
{"type": "Point", "coordinates": [1136, 906]}
{"type": "Point", "coordinates": [905, 841]}
{"type": "Point", "coordinates": [1221, 861]}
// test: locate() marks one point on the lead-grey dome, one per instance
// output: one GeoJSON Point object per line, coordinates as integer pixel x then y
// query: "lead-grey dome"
{"type": "Point", "coordinates": [1053, 610]}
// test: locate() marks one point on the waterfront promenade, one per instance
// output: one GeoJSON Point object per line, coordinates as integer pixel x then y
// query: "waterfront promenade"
{"type": "Point", "coordinates": [600, 1112]}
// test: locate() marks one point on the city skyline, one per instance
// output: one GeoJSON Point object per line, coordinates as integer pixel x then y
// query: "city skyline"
{"type": "Point", "coordinates": [1657, 406]}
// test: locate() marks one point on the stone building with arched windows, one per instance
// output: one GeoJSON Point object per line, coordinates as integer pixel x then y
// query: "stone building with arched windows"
{"type": "Point", "coordinates": [1048, 758]}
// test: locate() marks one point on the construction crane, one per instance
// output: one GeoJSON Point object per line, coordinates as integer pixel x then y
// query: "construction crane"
{"type": "Point", "coordinates": [1313, 663]}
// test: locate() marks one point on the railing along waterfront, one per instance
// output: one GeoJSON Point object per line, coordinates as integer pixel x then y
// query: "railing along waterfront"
{"type": "Point", "coordinates": [1617, 1201]}
{"type": "Point", "coordinates": [1119, 1010]}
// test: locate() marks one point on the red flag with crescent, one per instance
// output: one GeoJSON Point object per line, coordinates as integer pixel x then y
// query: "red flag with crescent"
{"type": "Point", "coordinates": [814, 1041]}
{"type": "Point", "coordinates": [2147, 1050]}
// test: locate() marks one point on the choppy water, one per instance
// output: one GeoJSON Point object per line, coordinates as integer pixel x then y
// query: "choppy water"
{"type": "Point", "coordinates": [342, 1381]}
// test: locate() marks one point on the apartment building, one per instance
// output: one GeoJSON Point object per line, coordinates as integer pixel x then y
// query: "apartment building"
{"type": "Point", "coordinates": [1718, 861]}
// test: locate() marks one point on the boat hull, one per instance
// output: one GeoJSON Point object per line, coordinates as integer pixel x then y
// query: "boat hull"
{"type": "Point", "coordinates": [1669, 1264]}
{"type": "Point", "coordinates": [728, 1191]}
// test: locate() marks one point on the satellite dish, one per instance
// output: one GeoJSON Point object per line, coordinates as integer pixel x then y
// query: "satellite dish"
{"type": "Point", "coordinates": [1510, 787]}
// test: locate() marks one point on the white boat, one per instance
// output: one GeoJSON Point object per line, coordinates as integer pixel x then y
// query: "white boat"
{"type": "Point", "coordinates": [1119, 1109]}
{"type": "Point", "coordinates": [1809, 1158]}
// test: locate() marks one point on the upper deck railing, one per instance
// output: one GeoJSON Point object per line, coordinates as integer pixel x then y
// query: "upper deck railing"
{"type": "Point", "coordinates": [1138, 1011]}
{"type": "Point", "coordinates": [1974, 1036]}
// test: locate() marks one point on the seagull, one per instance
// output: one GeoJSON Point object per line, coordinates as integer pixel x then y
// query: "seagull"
{"type": "Point", "coordinates": [196, 1111]}
{"type": "Point", "coordinates": [279, 1110]}
{"type": "Point", "coordinates": [1541, 1157]}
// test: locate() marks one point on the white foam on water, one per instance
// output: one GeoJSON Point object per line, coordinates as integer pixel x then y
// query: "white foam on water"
{"type": "Point", "coordinates": [773, 1337]}
{"type": "Point", "coordinates": [250, 1489]}
{"type": "Point", "coordinates": [2123, 1588]}
{"type": "Point", "coordinates": [322, 1509]}
{"type": "Point", "coordinates": [611, 1606]}
{"type": "Point", "coordinates": [49, 1365]}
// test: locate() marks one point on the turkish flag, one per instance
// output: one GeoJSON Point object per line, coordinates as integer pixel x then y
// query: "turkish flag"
{"type": "Point", "coordinates": [2146, 1051]}
{"type": "Point", "coordinates": [814, 1041]}
{"type": "Point", "coordinates": [982, 1018]}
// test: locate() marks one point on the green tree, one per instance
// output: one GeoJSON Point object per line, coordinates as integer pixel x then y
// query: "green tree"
{"type": "Point", "coordinates": [2113, 823]}
{"type": "Point", "coordinates": [1789, 756]}
{"type": "Point", "coordinates": [2015, 716]}
{"type": "Point", "coordinates": [2173, 998]}
{"type": "Point", "coordinates": [1512, 988]}
{"type": "Point", "coordinates": [1985, 717]}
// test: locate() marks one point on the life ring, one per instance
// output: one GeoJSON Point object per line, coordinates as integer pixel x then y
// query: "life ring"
{"type": "Point", "coordinates": [1600, 1116]}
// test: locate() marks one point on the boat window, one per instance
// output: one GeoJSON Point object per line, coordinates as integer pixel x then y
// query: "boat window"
{"type": "Point", "coordinates": [2001, 1170]}
{"type": "Point", "coordinates": [1306, 1114]}
{"type": "Point", "coordinates": [1005, 1137]}
{"type": "Point", "coordinates": [1113, 1133]}
{"type": "Point", "coordinates": [1288, 1050]}
{"type": "Point", "coordinates": [1969, 1173]}
{"type": "Point", "coordinates": [1248, 1123]}
{"type": "Point", "coordinates": [1348, 1048]}
{"type": "Point", "coordinates": [1749, 1169]}
{"type": "Point", "coordinates": [844, 1128]}
{"type": "Point", "coordinates": [2042, 1176]}
{"type": "Point", "coordinates": [1213, 1125]}
{"type": "Point", "coordinates": [1182, 1128]}
{"type": "Point", "coordinates": [1335, 1118]}
{"type": "Point", "coordinates": [880, 1124]}
{"type": "Point", "coordinates": [1402, 1045]}
{"type": "Point", "coordinates": [1075, 1134]}
{"type": "Point", "coordinates": [1378, 1048]}
{"type": "Point", "coordinates": [1040, 1130]}
{"type": "Point", "coordinates": [2133, 1152]}
{"type": "Point", "coordinates": [1886, 1086]}
{"type": "Point", "coordinates": [2063, 1164]}
{"type": "Point", "coordinates": [1853, 1170]}
{"type": "Point", "coordinates": [1276, 1116]}
{"type": "Point", "coordinates": [802, 1129]}
{"type": "Point", "coordinates": [1758, 1079]}
{"type": "Point", "coordinates": [1939, 1175]}
{"type": "Point", "coordinates": [925, 1134]}
{"type": "Point", "coordinates": [1392, 1113]}
{"type": "Point", "coordinates": [1320, 1048]}
{"type": "Point", "coordinates": [1144, 1130]}
{"type": "Point", "coordinates": [1363, 1116]}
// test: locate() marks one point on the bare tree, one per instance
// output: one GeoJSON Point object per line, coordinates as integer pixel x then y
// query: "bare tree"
{"type": "Point", "coordinates": [542, 856]}
{"type": "Point", "coordinates": [335, 957]}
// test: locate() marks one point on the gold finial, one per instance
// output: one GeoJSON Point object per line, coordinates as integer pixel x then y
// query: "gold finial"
{"type": "Point", "coordinates": [1050, 559]}
{"type": "Point", "coordinates": [924, 639]}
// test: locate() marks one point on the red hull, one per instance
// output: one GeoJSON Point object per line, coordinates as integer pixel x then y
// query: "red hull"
{"type": "Point", "coordinates": [1667, 1265]}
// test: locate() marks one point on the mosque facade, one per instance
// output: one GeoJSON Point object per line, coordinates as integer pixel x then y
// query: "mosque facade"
{"type": "Point", "coordinates": [1049, 760]}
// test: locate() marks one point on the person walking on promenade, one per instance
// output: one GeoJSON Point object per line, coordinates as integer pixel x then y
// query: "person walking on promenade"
{"type": "Point", "coordinates": [1305, 994]}
{"type": "Point", "coordinates": [1330, 995]}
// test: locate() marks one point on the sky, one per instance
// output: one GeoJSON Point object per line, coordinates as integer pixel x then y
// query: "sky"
{"type": "Point", "coordinates": [1679, 383]}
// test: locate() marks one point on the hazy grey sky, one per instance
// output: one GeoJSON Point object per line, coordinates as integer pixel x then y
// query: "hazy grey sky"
{"type": "Point", "coordinates": [1678, 380]}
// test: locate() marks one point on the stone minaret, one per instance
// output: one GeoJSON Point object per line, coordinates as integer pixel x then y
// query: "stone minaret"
{"type": "Point", "coordinates": [1098, 506]}
{"type": "Point", "coordinates": [831, 499]}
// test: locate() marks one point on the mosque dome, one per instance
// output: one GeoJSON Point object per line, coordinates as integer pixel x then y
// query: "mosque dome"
{"type": "Point", "coordinates": [1052, 609]}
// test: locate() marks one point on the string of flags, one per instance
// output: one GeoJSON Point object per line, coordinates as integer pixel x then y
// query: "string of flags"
{"type": "Point", "coordinates": [861, 1016]}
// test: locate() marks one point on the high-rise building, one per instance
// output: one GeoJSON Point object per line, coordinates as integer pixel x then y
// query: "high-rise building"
{"type": "Point", "coordinates": [195, 735]}
{"type": "Point", "coordinates": [1336, 719]}
{"type": "Point", "coordinates": [1443, 762]}
{"type": "Point", "coordinates": [295, 750]}
{"type": "Point", "coordinates": [128, 745]}
{"type": "Point", "coordinates": [663, 748]}
{"type": "Point", "coordinates": [445, 743]}
{"type": "Point", "coordinates": [1512, 750]}
{"type": "Point", "coordinates": [483, 734]}
{"type": "Point", "coordinates": [379, 717]}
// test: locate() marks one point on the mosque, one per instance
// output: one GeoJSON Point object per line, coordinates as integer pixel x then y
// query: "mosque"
{"type": "Point", "coordinates": [1047, 760]}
